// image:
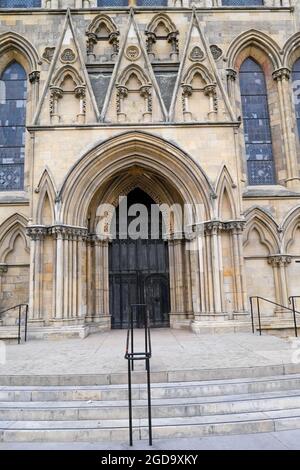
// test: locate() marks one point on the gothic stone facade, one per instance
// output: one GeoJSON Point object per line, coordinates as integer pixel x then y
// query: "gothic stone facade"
{"type": "Point", "coordinates": [152, 98]}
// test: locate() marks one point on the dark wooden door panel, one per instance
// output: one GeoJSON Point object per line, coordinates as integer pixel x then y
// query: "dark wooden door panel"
{"type": "Point", "coordinates": [138, 273]}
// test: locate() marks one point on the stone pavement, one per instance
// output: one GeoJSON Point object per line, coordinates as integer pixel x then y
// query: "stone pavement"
{"type": "Point", "coordinates": [172, 350]}
{"type": "Point", "coordinates": [283, 440]}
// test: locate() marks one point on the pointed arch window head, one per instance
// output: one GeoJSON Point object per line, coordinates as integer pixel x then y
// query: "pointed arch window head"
{"type": "Point", "coordinates": [256, 120]}
{"type": "Point", "coordinates": [296, 91]}
{"type": "Point", "coordinates": [13, 88]}
{"type": "Point", "coordinates": [20, 3]}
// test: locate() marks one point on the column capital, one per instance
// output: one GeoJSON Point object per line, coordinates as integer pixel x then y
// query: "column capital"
{"type": "Point", "coordinates": [231, 74]}
{"type": "Point", "coordinates": [68, 232]}
{"type": "Point", "coordinates": [3, 268]}
{"type": "Point", "coordinates": [279, 260]}
{"type": "Point", "coordinates": [235, 225]}
{"type": "Point", "coordinates": [37, 232]}
{"type": "Point", "coordinates": [34, 76]}
{"type": "Point", "coordinates": [281, 74]}
{"type": "Point", "coordinates": [213, 227]}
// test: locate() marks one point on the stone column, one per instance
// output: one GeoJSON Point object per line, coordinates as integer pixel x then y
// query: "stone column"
{"type": "Point", "coordinates": [231, 79]}
{"type": "Point", "coordinates": [236, 228]}
{"type": "Point", "coordinates": [3, 270]}
{"type": "Point", "coordinates": [173, 40]}
{"type": "Point", "coordinates": [187, 91]}
{"type": "Point", "coordinates": [90, 44]}
{"type": "Point", "coordinates": [114, 41]}
{"type": "Point", "coordinates": [282, 77]}
{"type": "Point", "coordinates": [151, 39]}
{"type": "Point", "coordinates": [145, 92]}
{"type": "Point", "coordinates": [214, 228]}
{"type": "Point", "coordinates": [36, 234]}
{"type": "Point", "coordinates": [55, 94]}
{"type": "Point", "coordinates": [101, 279]}
{"type": "Point", "coordinates": [80, 94]}
{"type": "Point", "coordinates": [279, 263]}
{"type": "Point", "coordinates": [122, 92]}
{"type": "Point", "coordinates": [34, 79]}
{"type": "Point", "coordinates": [210, 91]}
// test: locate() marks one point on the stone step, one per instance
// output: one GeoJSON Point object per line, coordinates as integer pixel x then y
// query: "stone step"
{"type": "Point", "coordinates": [108, 430]}
{"type": "Point", "coordinates": [139, 377]}
{"type": "Point", "coordinates": [161, 408]}
{"type": "Point", "coordinates": [158, 390]}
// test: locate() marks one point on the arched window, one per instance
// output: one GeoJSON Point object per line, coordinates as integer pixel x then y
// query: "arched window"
{"type": "Point", "coordinates": [242, 3]}
{"type": "Point", "coordinates": [296, 90]}
{"type": "Point", "coordinates": [256, 121]}
{"type": "Point", "coordinates": [13, 85]}
{"type": "Point", "coordinates": [20, 3]}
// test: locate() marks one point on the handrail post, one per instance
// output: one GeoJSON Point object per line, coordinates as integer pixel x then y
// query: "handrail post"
{"type": "Point", "coordinates": [26, 320]}
{"type": "Point", "coordinates": [130, 402]}
{"type": "Point", "coordinates": [252, 318]}
{"type": "Point", "coordinates": [258, 313]}
{"type": "Point", "coordinates": [294, 314]}
{"type": "Point", "coordinates": [149, 401]}
{"type": "Point", "coordinates": [132, 341]}
{"type": "Point", "coordinates": [19, 326]}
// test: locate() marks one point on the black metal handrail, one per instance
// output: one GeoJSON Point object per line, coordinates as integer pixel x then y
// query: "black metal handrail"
{"type": "Point", "coordinates": [132, 356]}
{"type": "Point", "coordinates": [20, 307]}
{"type": "Point", "coordinates": [292, 301]}
{"type": "Point", "coordinates": [258, 298]}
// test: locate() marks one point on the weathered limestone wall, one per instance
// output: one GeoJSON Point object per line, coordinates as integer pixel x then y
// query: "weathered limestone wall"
{"type": "Point", "coordinates": [174, 78]}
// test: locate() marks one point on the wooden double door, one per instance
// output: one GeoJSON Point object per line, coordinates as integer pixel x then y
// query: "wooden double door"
{"type": "Point", "coordinates": [139, 273]}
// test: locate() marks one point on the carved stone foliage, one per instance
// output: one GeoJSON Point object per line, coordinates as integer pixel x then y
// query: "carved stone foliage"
{"type": "Point", "coordinates": [216, 51]}
{"type": "Point", "coordinates": [162, 38]}
{"type": "Point", "coordinates": [133, 52]}
{"type": "Point", "coordinates": [102, 39]}
{"type": "Point", "coordinates": [196, 54]}
{"type": "Point", "coordinates": [67, 56]}
{"type": "Point", "coordinates": [48, 54]}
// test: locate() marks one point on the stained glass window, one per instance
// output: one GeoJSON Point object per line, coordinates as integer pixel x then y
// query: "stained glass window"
{"type": "Point", "coordinates": [13, 84]}
{"type": "Point", "coordinates": [20, 3]}
{"type": "Point", "coordinates": [242, 3]}
{"type": "Point", "coordinates": [256, 121]}
{"type": "Point", "coordinates": [296, 91]}
{"type": "Point", "coordinates": [112, 3]}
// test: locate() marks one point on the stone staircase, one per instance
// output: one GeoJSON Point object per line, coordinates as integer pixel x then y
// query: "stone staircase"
{"type": "Point", "coordinates": [48, 412]}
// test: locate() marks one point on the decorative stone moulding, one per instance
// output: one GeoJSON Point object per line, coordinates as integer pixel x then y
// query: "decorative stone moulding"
{"type": "Point", "coordinates": [196, 54]}
{"type": "Point", "coordinates": [48, 54]}
{"type": "Point", "coordinates": [216, 51]}
{"type": "Point", "coordinates": [133, 52]}
{"type": "Point", "coordinates": [68, 56]}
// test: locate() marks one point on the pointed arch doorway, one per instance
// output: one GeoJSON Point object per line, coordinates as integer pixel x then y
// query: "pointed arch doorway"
{"type": "Point", "coordinates": [139, 270]}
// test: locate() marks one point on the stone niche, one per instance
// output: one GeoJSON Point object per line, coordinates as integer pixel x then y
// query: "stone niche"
{"type": "Point", "coordinates": [102, 40]}
{"type": "Point", "coordinates": [67, 97]}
